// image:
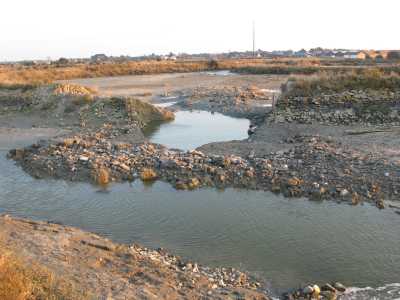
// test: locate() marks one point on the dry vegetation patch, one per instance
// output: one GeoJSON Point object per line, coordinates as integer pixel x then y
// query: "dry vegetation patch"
{"type": "Point", "coordinates": [20, 280]}
{"type": "Point", "coordinates": [370, 79]}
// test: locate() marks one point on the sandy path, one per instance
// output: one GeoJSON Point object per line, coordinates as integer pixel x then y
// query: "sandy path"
{"type": "Point", "coordinates": [20, 137]}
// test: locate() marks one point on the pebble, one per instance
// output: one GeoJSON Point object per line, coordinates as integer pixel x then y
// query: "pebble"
{"type": "Point", "coordinates": [340, 287]}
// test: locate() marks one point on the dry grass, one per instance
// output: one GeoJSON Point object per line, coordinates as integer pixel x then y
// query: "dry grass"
{"type": "Point", "coordinates": [102, 176]}
{"type": "Point", "coordinates": [14, 77]}
{"type": "Point", "coordinates": [371, 79]}
{"type": "Point", "coordinates": [26, 77]}
{"type": "Point", "coordinates": [148, 174]}
{"type": "Point", "coordinates": [20, 281]}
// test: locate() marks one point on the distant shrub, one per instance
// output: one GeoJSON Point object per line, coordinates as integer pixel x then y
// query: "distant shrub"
{"type": "Point", "coordinates": [213, 64]}
{"type": "Point", "coordinates": [103, 176]}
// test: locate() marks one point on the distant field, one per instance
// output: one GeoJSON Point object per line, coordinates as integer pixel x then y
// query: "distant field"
{"type": "Point", "coordinates": [40, 74]}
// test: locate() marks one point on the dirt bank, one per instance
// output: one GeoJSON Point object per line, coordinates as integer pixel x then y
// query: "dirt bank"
{"type": "Point", "coordinates": [72, 108]}
{"type": "Point", "coordinates": [105, 270]}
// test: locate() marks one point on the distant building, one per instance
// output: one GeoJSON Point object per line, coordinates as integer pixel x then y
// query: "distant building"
{"type": "Point", "coordinates": [354, 55]}
{"type": "Point", "coordinates": [362, 55]}
{"type": "Point", "coordinates": [301, 53]}
{"type": "Point", "coordinates": [99, 57]}
{"type": "Point", "coordinates": [172, 57]}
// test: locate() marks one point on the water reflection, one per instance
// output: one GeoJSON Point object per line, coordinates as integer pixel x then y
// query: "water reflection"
{"type": "Point", "coordinates": [191, 129]}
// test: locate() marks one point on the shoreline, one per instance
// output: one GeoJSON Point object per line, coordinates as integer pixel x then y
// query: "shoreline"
{"type": "Point", "coordinates": [90, 261]}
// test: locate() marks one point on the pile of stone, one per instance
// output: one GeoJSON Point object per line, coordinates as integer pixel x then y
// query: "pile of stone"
{"type": "Point", "coordinates": [315, 168]}
{"type": "Point", "coordinates": [348, 107]}
{"type": "Point", "coordinates": [236, 95]}
{"type": "Point", "coordinates": [219, 278]}
{"type": "Point", "coordinates": [325, 292]}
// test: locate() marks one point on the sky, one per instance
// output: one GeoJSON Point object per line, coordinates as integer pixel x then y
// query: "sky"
{"type": "Point", "coordinates": [38, 29]}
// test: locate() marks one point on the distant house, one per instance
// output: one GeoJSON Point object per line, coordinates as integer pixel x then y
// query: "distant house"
{"type": "Point", "coordinates": [172, 57]}
{"type": "Point", "coordinates": [355, 55]}
{"type": "Point", "coordinates": [362, 55]}
{"type": "Point", "coordinates": [99, 57]}
{"type": "Point", "coordinates": [301, 53]}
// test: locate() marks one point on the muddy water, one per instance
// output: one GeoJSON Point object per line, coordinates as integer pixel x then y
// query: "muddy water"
{"type": "Point", "coordinates": [288, 242]}
{"type": "Point", "coordinates": [191, 129]}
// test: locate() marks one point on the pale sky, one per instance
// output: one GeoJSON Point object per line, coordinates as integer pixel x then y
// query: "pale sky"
{"type": "Point", "coordinates": [35, 29]}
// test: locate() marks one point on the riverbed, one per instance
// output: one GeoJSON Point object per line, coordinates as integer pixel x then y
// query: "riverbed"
{"type": "Point", "coordinates": [288, 242]}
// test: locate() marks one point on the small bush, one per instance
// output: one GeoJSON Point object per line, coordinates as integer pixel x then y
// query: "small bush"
{"type": "Point", "coordinates": [103, 176]}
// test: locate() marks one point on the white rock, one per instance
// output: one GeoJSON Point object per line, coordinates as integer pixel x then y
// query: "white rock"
{"type": "Point", "coordinates": [83, 158]}
{"type": "Point", "coordinates": [308, 290]}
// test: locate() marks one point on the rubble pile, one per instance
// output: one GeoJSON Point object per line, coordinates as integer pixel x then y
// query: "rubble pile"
{"type": "Point", "coordinates": [348, 107]}
{"type": "Point", "coordinates": [218, 278]}
{"type": "Point", "coordinates": [315, 168]}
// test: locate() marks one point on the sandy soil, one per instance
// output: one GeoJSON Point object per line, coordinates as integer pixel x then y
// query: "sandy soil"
{"type": "Point", "coordinates": [165, 84]}
{"type": "Point", "coordinates": [20, 137]}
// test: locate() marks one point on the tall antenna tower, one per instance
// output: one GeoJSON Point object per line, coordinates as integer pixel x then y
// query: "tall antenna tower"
{"type": "Point", "coordinates": [254, 39]}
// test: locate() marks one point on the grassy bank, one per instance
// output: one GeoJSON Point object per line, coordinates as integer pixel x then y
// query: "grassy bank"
{"type": "Point", "coordinates": [369, 79]}
{"type": "Point", "coordinates": [278, 69]}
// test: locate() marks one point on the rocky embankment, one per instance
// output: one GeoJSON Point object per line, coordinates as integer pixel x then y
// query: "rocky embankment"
{"type": "Point", "coordinates": [316, 168]}
{"type": "Point", "coordinates": [106, 270]}
{"type": "Point", "coordinates": [349, 107]}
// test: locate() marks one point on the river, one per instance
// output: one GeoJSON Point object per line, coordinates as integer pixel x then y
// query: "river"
{"type": "Point", "coordinates": [288, 242]}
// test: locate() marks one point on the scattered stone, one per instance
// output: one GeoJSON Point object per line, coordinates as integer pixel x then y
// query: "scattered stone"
{"type": "Point", "coordinates": [340, 287]}
{"type": "Point", "coordinates": [380, 204]}
{"type": "Point", "coordinates": [328, 287]}
{"type": "Point", "coordinates": [308, 290]}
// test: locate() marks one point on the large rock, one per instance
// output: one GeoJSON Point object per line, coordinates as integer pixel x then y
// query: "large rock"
{"type": "Point", "coordinates": [144, 112]}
